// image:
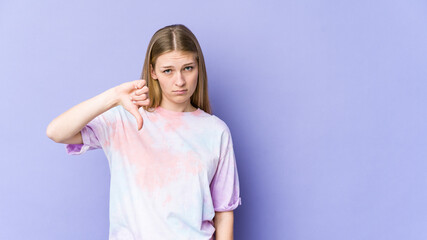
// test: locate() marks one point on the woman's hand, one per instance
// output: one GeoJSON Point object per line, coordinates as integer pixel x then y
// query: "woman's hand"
{"type": "Point", "coordinates": [132, 95]}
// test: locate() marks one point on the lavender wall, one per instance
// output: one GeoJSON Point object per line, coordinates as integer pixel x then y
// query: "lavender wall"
{"type": "Point", "coordinates": [326, 101]}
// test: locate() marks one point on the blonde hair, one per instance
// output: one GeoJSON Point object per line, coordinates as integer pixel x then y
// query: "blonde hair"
{"type": "Point", "coordinates": [170, 38]}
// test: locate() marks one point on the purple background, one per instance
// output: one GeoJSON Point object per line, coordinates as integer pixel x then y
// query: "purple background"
{"type": "Point", "coordinates": [326, 102]}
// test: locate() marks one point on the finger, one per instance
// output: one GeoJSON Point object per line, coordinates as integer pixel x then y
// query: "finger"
{"type": "Point", "coordinates": [142, 103]}
{"type": "Point", "coordinates": [141, 83]}
{"type": "Point", "coordinates": [141, 91]}
{"type": "Point", "coordinates": [138, 83]}
{"type": "Point", "coordinates": [139, 98]}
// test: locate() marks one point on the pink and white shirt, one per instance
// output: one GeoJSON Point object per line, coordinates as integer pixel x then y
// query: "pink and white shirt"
{"type": "Point", "coordinates": [169, 178]}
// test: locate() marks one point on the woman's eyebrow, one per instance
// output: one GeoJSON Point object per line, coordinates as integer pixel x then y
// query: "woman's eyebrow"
{"type": "Point", "coordinates": [190, 63]}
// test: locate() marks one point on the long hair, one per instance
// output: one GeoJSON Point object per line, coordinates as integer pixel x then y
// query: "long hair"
{"type": "Point", "coordinates": [170, 38]}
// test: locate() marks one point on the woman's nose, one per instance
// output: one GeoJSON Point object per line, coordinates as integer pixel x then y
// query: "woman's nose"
{"type": "Point", "coordinates": [180, 81]}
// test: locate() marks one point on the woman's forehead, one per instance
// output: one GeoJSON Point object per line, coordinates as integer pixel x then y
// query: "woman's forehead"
{"type": "Point", "coordinates": [175, 58]}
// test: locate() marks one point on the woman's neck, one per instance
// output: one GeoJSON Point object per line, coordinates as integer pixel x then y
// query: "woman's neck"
{"type": "Point", "coordinates": [188, 108]}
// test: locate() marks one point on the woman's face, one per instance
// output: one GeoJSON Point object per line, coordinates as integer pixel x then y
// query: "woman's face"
{"type": "Point", "coordinates": [177, 73]}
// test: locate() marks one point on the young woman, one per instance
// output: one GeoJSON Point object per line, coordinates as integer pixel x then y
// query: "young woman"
{"type": "Point", "coordinates": [172, 164]}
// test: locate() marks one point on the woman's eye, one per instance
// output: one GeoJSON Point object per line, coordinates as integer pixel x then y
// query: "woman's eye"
{"type": "Point", "coordinates": [167, 71]}
{"type": "Point", "coordinates": [189, 68]}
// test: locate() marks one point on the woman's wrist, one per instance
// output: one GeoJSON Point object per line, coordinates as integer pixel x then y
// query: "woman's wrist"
{"type": "Point", "coordinates": [111, 98]}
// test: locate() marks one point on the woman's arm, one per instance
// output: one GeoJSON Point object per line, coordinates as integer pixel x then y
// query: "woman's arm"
{"type": "Point", "coordinates": [66, 127]}
{"type": "Point", "coordinates": [223, 222]}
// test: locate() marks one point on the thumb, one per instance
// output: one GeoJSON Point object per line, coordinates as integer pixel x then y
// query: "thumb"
{"type": "Point", "coordinates": [134, 111]}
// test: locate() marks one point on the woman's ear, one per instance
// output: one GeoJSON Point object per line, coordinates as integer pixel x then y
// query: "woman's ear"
{"type": "Point", "coordinates": [153, 73]}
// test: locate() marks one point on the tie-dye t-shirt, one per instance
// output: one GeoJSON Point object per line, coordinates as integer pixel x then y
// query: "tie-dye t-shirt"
{"type": "Point", "coordinates": [169, 178]}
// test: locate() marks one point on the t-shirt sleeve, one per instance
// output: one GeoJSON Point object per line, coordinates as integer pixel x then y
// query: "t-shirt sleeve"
{"type": "Point", "coordinates": [94, 134]}
{"type": "Point", "coordinates": [225, 189]}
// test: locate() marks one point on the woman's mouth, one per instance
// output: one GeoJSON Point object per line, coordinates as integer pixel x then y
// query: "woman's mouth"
{"type": "Point", "coordinates": [180, 91]}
